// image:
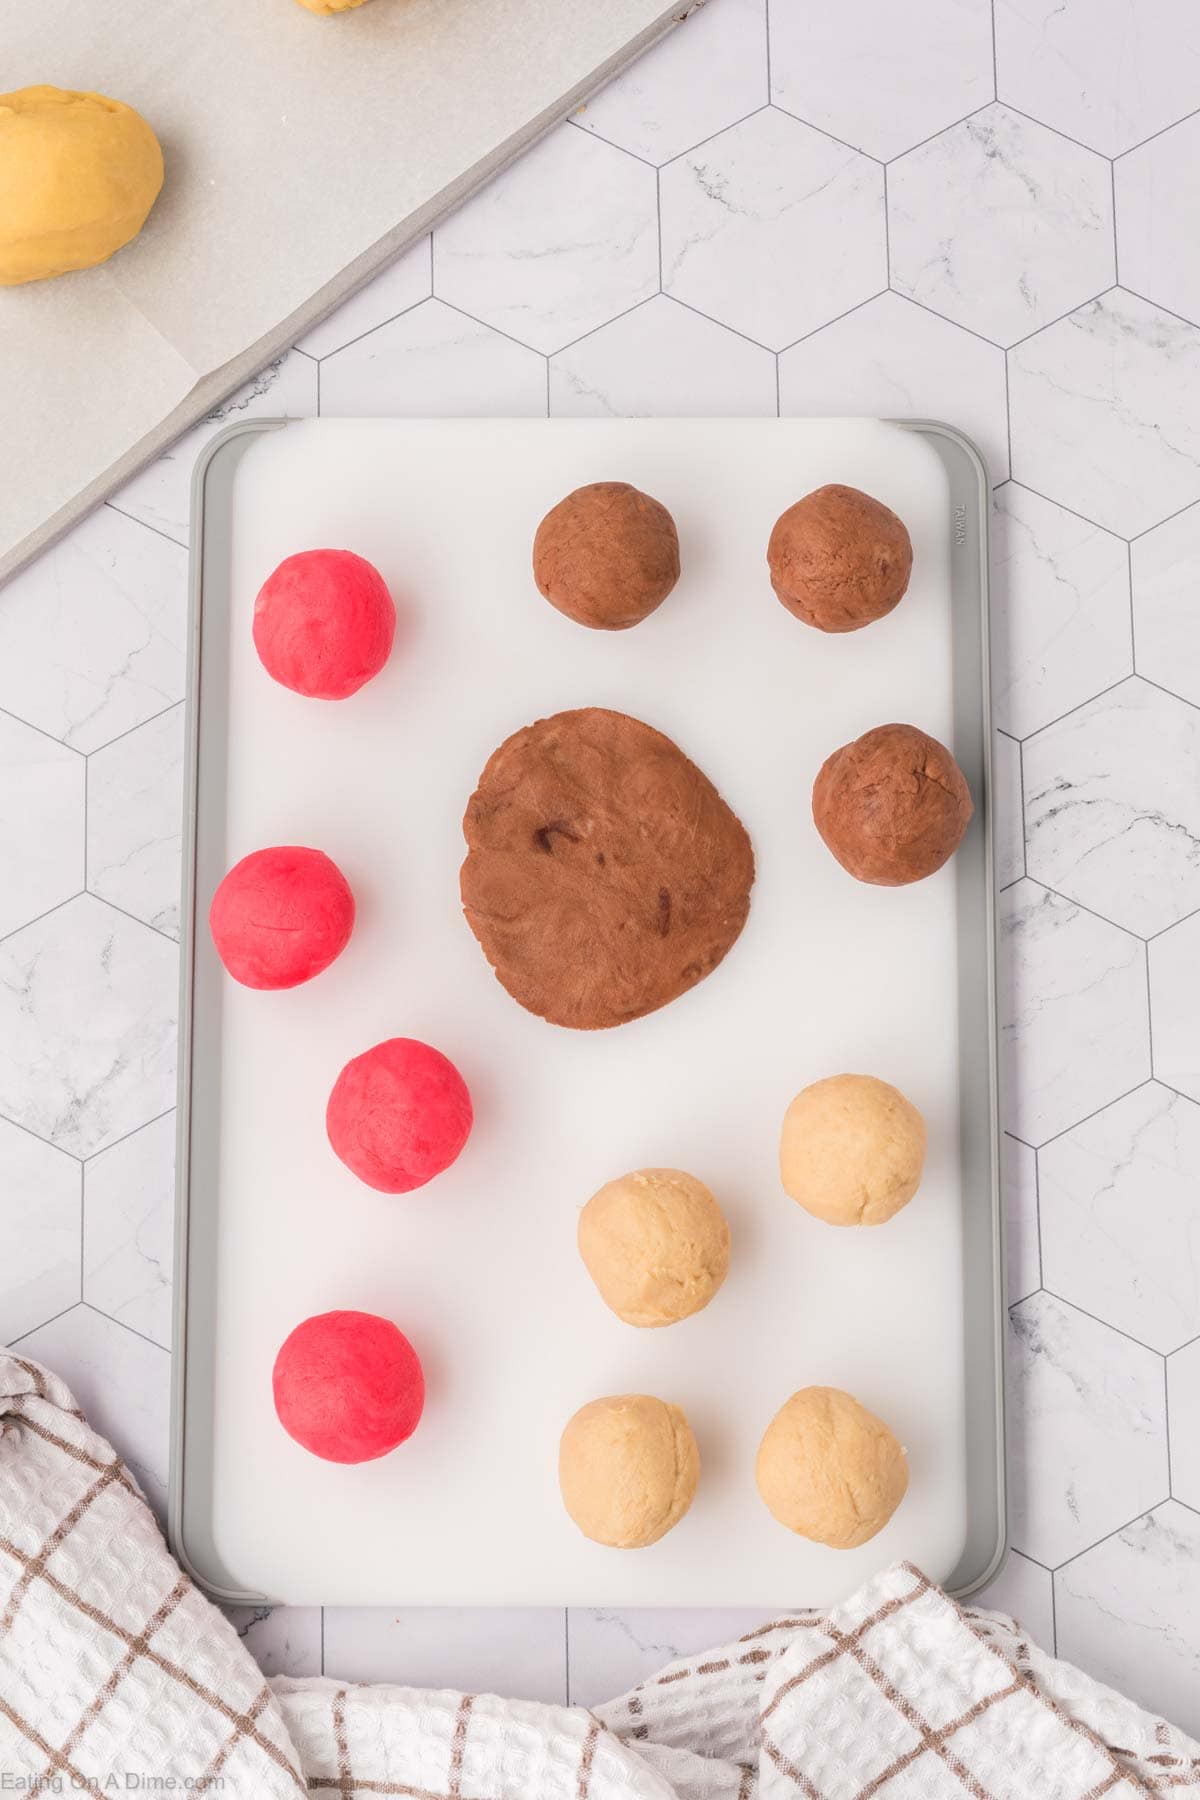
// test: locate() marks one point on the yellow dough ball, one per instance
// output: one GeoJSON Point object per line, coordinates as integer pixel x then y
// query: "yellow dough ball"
{"type": "Point", "coordinates": [852, 1150]}
{"type": "Point", "coordinates": [628, 1468]}
{"type": "Point", "coordinates": [656, 1245]}
{"type": "Point", "coordinates": [78, 174]}
{"type": "Point", "coordinates": [326, 7]}
{"type": "Point", "coordinates": [830, 1470]}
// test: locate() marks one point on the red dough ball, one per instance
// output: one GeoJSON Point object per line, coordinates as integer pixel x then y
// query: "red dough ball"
{"type": "Point", "coordinates": [281, 916]}
{"type": "Point", "coordinates": [348, 1386]}
{"type": "Point", "coordinates": [324, 623]}
{"type": "Point", "coordinates": [398, 1115]}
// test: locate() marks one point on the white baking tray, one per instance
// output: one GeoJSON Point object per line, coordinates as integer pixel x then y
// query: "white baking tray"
{"type": "Point", "coordinates": [480, 1267]}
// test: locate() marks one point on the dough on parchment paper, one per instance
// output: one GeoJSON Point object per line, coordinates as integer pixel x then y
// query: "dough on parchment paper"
{"type": "Point", "coordinates": [79, 173]}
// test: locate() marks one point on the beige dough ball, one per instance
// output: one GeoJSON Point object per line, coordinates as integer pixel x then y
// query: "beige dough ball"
{"type": "Point", "coordinates": [78, 174]}
{"type": "Point", "coordinates": [656, 1245]}
{"type": "Point", "coordinates": [829, 1470]}
{"type": "Point", "coordinates": [851, 1150]}
{"type": "Point", "coordinates": [628, 1468]}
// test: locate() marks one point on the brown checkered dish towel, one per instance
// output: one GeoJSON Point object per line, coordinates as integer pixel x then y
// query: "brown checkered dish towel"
{"type": "Point", "coordinates": [117, 1675]}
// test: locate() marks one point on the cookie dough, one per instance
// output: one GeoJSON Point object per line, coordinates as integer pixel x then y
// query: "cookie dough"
{"type": "Point", "coordinates": [280, 916]}
{"type": "Point", "coordinates": [78, 175]}
{"type": "Point", "coordinates": [606, 556]}
{"type": "Point", "coordinates": [852, 1150]}
{"type": "Point", "coordinates": [839, 559]}
{"type": "Point", "coordinates": [892, 806]}
{"type": "Point", "coordinates": [830, 1470]}
{"type": "Point", "coordinates": [324, 623]}
{"type": "Point", "coordinates": [327, 7]}
{"type": "Point", "coordinates": [398, 1115]}
{"type": "Point", "coordinates": [605, 875]}
{"type": "Point", "coordinates": [348, 1386]}
{"type": "Point", "coordinates": [656, 1244]}
{"type": "Point", "coordinates": [628, 1468]}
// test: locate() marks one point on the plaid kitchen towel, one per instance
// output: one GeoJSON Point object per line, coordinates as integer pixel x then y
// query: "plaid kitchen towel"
{"type": "Point", "coordinates": [116, 1675]}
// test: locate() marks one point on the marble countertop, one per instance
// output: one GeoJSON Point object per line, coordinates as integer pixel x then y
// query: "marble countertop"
{"type": "Point", "coordinates": [923, 210]}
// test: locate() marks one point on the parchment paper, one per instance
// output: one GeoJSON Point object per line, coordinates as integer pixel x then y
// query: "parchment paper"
{"type": "Point", "coordinates": [302, 153]}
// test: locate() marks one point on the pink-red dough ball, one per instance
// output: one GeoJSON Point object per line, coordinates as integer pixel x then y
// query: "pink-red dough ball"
{"type": "Point", "coordinates": [324, 623]}
{"type": "Point", "coordinates": [281, 916]}
{"type": "Point", "coordinates": [348, 1386]}
{"type": "Point", "coordinates": [398, 1115]}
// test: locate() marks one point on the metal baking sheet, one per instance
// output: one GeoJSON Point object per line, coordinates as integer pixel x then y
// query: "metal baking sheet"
{"type": "Point", "coordinates": [480, 1268]}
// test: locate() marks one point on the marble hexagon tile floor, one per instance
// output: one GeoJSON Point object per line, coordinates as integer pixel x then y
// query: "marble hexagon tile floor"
{"type": "Point", "coordinates": [867, 208]}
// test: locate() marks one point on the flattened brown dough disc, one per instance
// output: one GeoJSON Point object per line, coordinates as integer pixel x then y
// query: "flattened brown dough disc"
{"type": "Point", "coordinates": [604, 875]}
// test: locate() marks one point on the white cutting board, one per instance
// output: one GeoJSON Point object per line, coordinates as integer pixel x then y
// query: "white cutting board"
{"type": "Point", "coordinates": [480, 1268]}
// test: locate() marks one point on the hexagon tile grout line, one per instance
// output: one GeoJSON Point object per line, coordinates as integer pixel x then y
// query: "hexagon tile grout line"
{"type": "Point", "coordinates": [719, 323]}
{"type": "Point", "coordinates": [1172, 313]}
{"type": "Point", "coordinates": [1108, 1535]}
{"type": "Point", "coordinates": [1056, 129]}
{"type": "Point", "coordinates": [825, 132]}
{"type": "Point", "coordinates": [1112, 288]}
{"type": "Point", "coordinates": [1094, 1114]}
{"type": "Point", "coordinates": [1084, 517]}
{"type": "Point", "coordinates": [49, 912]}
{"type": "Point", "coordinates": [625, 313]}
{"type": "Point", "coordinates": [454, 307]}
{"type": "Point", "coordinates": [678, 155]}
{"type": "Point", "coordinates": [42, 1323]}
{"type": "Point", "coordinates": [158, 532]}
{"type": "Point", "coordinates": [1084, 907]}
{"type": "Point", "coordinates": [150, 926]}
{"type": "Point", "coordinates": [61, 743]}
{"type": "Point", "coordinates": [1086, 1311]}
{"type": "Point", "coordinates": [1090, 698]}
{"type": "Point", "coordinates": [90, 1306]}
{"type": "Point", "coordinates": [1183, 919]}
{"type": "Point", "coordinates": [958, 324]}
{"type": "Point", "coordinates": [371, 329]}
{"type": "Point", "coordinates": [817, 329]}
{"type": "Point", "coordinates": [1162, 131]}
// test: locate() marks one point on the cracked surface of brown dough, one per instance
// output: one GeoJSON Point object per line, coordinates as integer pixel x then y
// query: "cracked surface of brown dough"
{"type": "Point", "coordinates": [604, 874]}
{"type": "Point", "coordinates": [606, 556]}
{"type": "Point", "coordinates": [839, 559]}
{"type": "Point", "coordinates": [892, 806]}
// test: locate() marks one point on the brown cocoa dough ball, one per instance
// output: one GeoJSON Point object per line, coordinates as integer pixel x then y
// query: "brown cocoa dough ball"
{"type": "Point", "coordinates": [892, 806]}
{"type": "Point", "coordinates": [830, 1470]}
{"type": "Point", "coordinates": [839, 559]}
{"type": "Point", "coordinates": [606, 556]}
